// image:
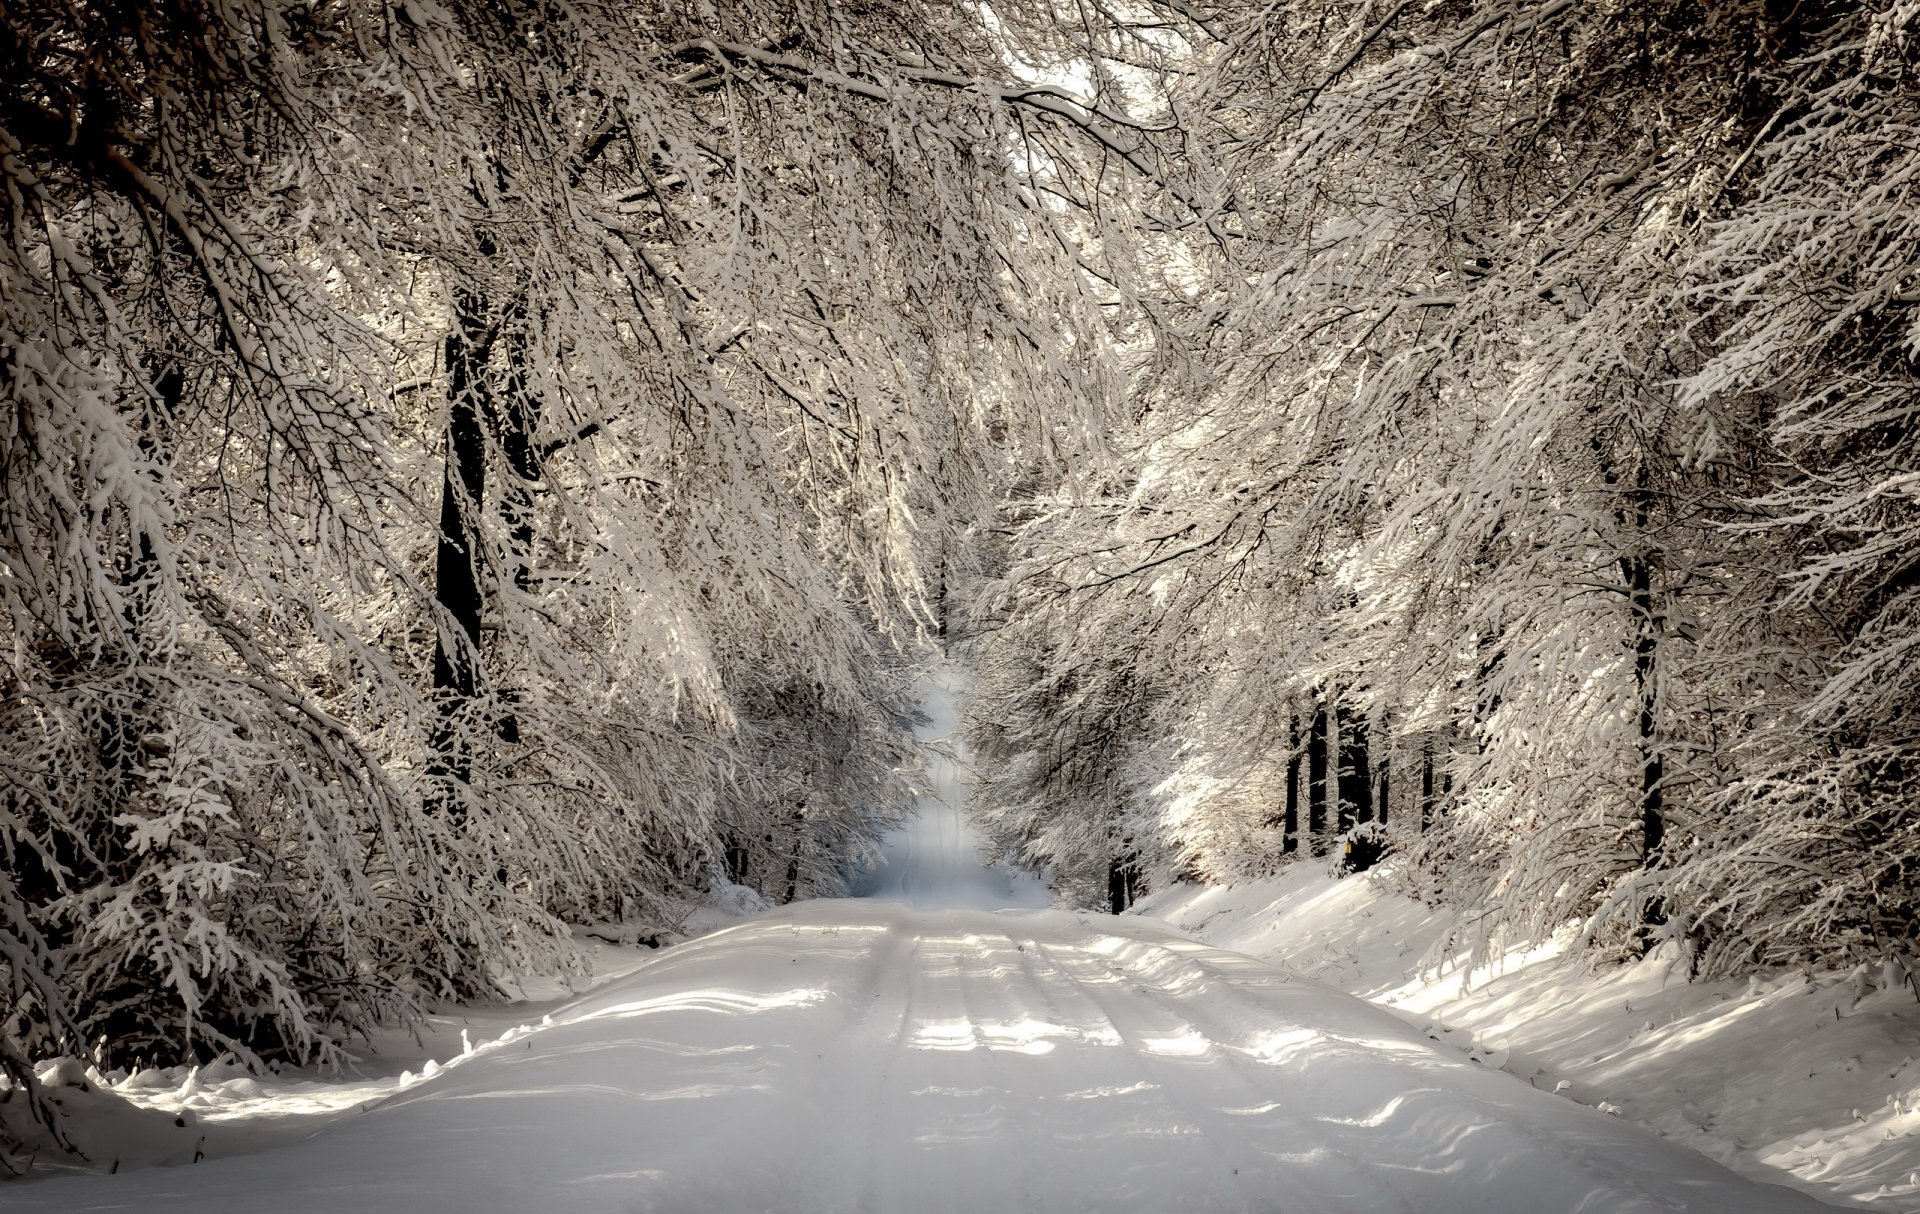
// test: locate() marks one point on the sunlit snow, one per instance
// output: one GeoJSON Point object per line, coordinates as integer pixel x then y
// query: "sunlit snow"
{"type": "Point", "coordinates": [939, 1045]}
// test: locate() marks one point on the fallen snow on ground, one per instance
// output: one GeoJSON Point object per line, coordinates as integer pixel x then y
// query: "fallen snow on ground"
{"type": "Point", "coordinates": [911, 1053]}
{"type": "Point", "coordinates": [1807, 1080]}
{"type": "Point", "coordinates": [877, 1057]}
{"type": "Point", "coordinates": [181, 1115]}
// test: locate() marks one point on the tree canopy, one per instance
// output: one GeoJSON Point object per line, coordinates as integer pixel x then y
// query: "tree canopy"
{"type": "Point", "coordinates": [469, 469]}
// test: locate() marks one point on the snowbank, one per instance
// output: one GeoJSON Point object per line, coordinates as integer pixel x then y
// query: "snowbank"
{"type": "Point", "coordinates": [167, 1116]}
{"type": "Point", "coordinates": [1806, 1080]}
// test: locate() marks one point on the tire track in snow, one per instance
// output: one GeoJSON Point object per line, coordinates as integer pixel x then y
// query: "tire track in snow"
{"type": "Point", "coordinates": [879, 1006]}
{"type": "Point", "coordinates": [1113, 1004]}
{"type": "Point", "coordinates": [1159, 1170]}
{"type": "Point", "coordinates": [977, 987]}
{"type": "Point", "coordinates": [941, 1120]}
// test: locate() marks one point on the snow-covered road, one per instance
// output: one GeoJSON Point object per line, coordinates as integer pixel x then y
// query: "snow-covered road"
{"type": "Point", "coordinates": [915, 1051]}
{"type": "Point", "coordinates": [872, 1056]}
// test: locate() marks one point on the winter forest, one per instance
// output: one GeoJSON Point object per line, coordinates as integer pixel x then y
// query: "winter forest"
{"type": "Point", "coordinates": [471, 469]}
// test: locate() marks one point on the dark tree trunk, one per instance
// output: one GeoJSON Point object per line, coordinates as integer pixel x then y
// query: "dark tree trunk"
{"type": "Point", "coordinates": [1290, 820]}
{"type": "Point", "coordinates": [1635, 518]}
{"type": "Point", "coordinates": [1646, 649]}
{"type": "Point", "coordinates": [1317, 781]}
{"type": "Point", "coordinates": [1356, 777]}
{"type": "Point", "coordinates": [737, 860]}
{"type": "Point", "coordinates": [479, 409]}
{"type": "Point", "coordinates": [1123, 881]}
{"type": "Point", "coordinates": [457, 576]}
{"type": "Point", "coordinates": [1383, 795]}
{"type": "Point", "coordinates": [1426, 787]}
{"type": "Point", "coordinates": [943, 594]}
{"type": "Point", "coordinates": [793, 859]}
{"type": "Point", "coordinates": [1638, 570]}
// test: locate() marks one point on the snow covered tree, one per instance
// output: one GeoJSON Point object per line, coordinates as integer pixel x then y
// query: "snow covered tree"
{"type": "Point", "coordinates": [469, 466]}
{"type": "Point", "coordinates": [190, 468]}
{"type": "Point", "coordinates": [1536, 402]}
{"type": "Point", "coordinates": [1807, 286]}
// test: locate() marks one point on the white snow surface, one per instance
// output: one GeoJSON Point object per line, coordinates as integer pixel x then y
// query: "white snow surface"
{"type": "Point", "coordinates": [872, 1056]}
{"type": "Point", "coordinates": [912, 1051]}
{"type": "Point", "coordinates": [1810, 1080]}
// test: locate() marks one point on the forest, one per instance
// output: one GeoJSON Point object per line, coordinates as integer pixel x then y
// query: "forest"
{"type": "Point", "coordinates": [474, 468]}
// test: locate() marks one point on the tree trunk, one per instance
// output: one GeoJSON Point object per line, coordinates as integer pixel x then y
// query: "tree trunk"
{"type": "Point", "coordinates": [793, 859]}
{"type": "Point", "coordinates": [737, 861]}
{"type": "Point", "coordinates": [1637, 571]}
{"type": "Point", "coordinates": [1383, 794]}
{"type": "Point", "coordinates": [1317, 781]}
{"type": "Point", "coordinates": [457, 580]}
{"type": "Point", "coordinates": [943, 594]}
{"type": "Point", "coordinates": [1355, 781]}
{"type": "Point", "coordinates": [1646, 650]}
{"type": "Point", "coordinates": [511, 416]}
{"type": "Point", "coordinates": [1290, 821]}
{"type": "Point", "coordinates": [1123, 880]}
{"type": "Point", "coordinates": [1426, 787]}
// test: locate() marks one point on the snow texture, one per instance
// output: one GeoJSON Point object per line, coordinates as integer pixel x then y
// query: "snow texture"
{"type": "Point", "coordinates": [912, 1051]}
{"type": "Point", "coordinates": [865, 1055]}
{"type": "Point", "coordinates": [1801, 1079]}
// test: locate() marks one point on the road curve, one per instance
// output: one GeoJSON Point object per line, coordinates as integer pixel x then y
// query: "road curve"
{"type": "Point", "coordinates": [860, 1057]}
